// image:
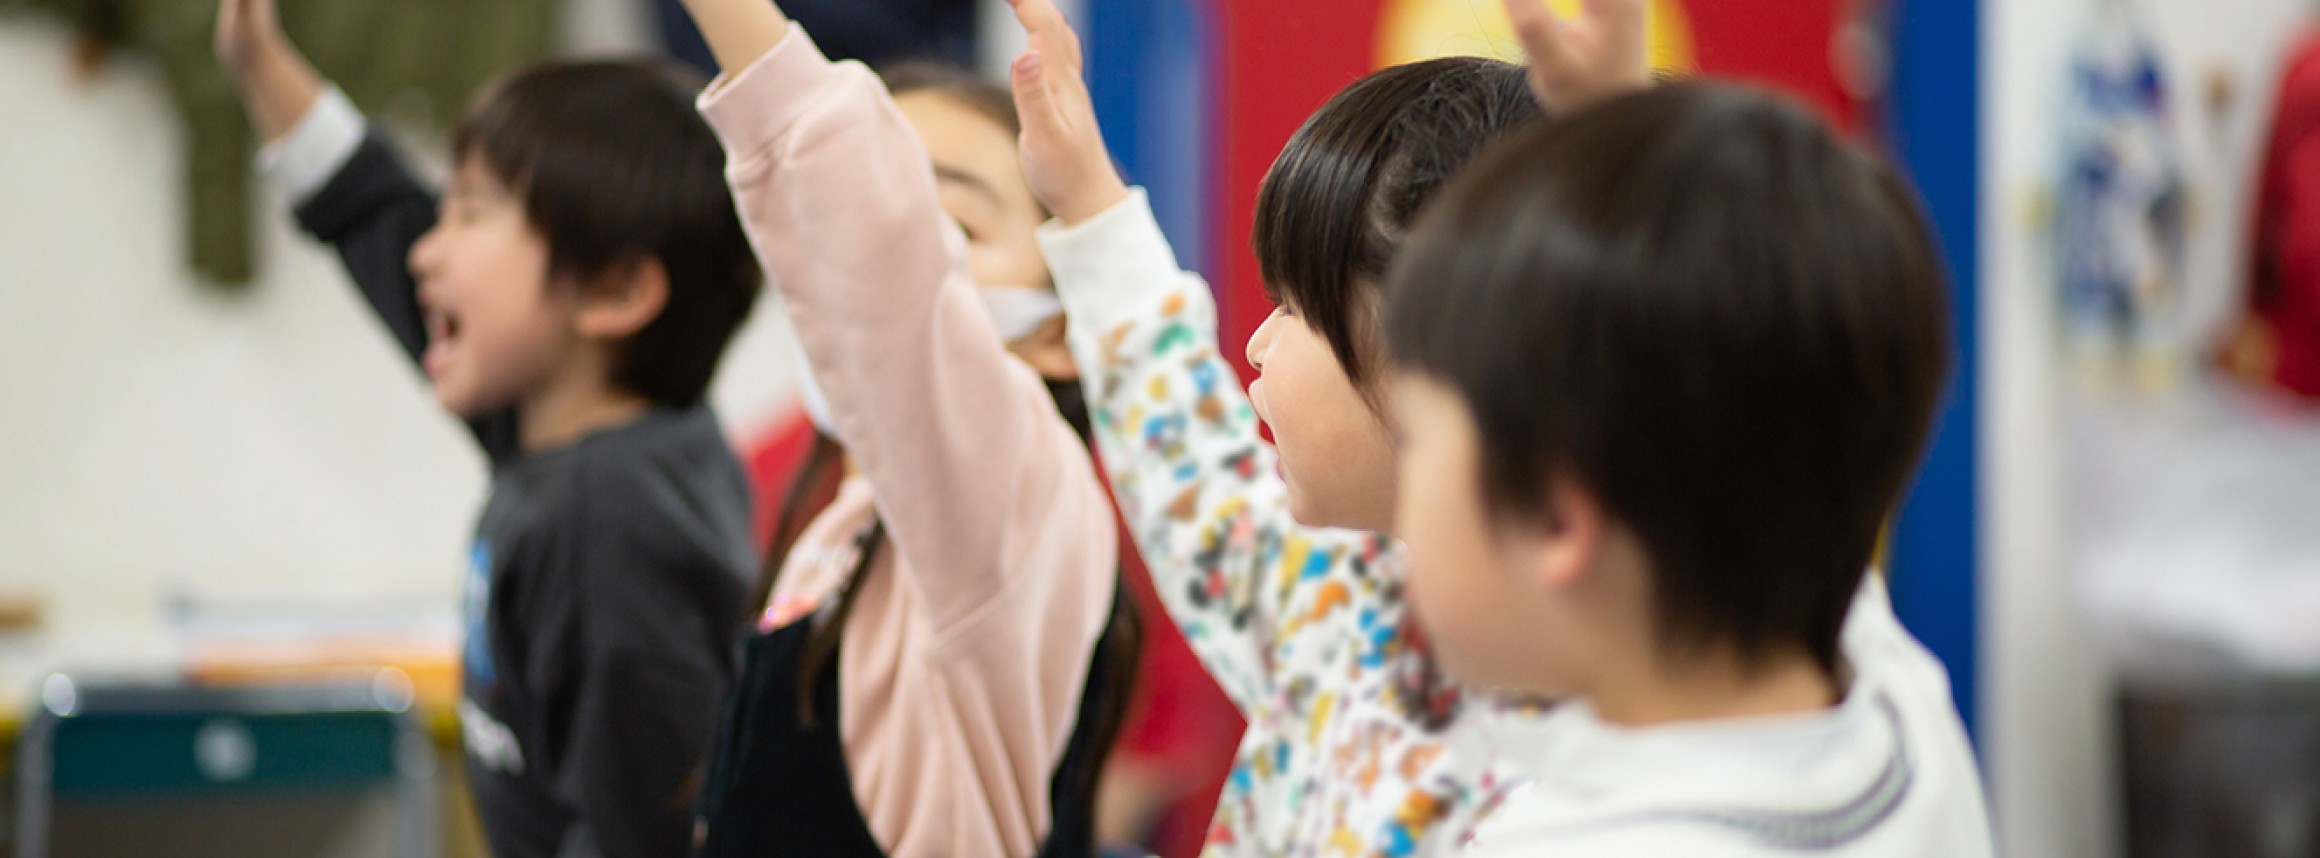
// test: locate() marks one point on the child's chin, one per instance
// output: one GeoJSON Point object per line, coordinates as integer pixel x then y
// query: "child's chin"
{"type": "Point", "coordinates": [1301, 505]}
{"type": "Point", "coordinates": [1311, 510]}
{"type": "Point", "coordinates": [462, 404]}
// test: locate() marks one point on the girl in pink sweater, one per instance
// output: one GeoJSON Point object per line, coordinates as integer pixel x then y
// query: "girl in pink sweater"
{"type": "Point", "coordinates": [934, 671]}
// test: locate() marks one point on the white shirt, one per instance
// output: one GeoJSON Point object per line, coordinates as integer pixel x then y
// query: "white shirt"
{"type": "Point", "coordinates": [324, 139]}
{"type": "Point", "coordinates": [1886, 773]}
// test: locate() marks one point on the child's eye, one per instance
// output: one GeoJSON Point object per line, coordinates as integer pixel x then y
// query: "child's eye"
{"type": "Point", "coordinates": [457, 208]}
{"type": "Point", "coordinates": [964, 228]}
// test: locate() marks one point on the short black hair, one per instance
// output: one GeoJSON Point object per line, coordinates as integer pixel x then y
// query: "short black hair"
{"type": "Point", "coordinates": [1726, 324]}
{"type": "Point", "coordinates": [615, 166]}
{"type": "Point", "coordinates": [1333, 209]}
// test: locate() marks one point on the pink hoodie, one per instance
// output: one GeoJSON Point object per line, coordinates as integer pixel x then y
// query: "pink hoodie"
{"type": "Point", "coordinates": [962, 665]}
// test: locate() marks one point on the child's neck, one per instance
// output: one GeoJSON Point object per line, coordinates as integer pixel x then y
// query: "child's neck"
{"type": "Point", "coordinates": [1719, 686]}
{"type": "Point", "coordinates": [571, 407]}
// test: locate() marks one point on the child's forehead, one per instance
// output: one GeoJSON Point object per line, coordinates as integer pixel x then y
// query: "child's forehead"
{"type": "Point", "coordinates": [970, 151]}
{"type": "Point", "coordinates": [472, 173]}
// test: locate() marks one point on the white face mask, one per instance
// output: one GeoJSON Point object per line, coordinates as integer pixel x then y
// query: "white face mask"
{"type": "Point", "coordinates": [1015, 310]}
{"type": "Point", "coordinates": [1019, 310]}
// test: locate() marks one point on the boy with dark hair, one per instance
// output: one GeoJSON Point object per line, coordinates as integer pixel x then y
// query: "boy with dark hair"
{"type": "Point", "coordinates": [570, 301]}
{"type": "Point", "coordinates": [1663, 368]}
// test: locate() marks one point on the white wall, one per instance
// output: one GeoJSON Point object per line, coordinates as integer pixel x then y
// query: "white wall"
{"type": "Point", "coordinates": [157, 434]}
{"type": "Point", "coordinates": [2048, 730]}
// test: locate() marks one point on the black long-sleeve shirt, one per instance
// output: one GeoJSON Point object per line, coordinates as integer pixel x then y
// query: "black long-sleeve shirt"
{"type": "Point", "coordinates": [604, 589]}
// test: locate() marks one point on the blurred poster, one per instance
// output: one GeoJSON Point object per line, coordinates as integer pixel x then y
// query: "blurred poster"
{"type": "Point", "coordinates": [1413, 30]}
{"type": "Point", "coordinates": [2119, 224]}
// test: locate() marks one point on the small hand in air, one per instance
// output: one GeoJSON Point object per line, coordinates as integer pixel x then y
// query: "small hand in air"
{"type": "Point", "coordinates": [1064, 158]}
{"type": "Point", "coordinates": [1601, 53]}
{"type": "Point", "coordinates": [245, 27]}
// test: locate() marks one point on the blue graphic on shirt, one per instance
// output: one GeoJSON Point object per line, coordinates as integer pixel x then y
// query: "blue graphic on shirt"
{"type": "Point", "coordinates": [477, 655]}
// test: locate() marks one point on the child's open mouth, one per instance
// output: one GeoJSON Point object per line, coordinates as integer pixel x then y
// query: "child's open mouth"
{"type": "Point", "coordinates": [442, 334]}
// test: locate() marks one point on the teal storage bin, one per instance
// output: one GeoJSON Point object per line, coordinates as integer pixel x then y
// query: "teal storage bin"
{"type": "Point", "coordinates": [334, 771]}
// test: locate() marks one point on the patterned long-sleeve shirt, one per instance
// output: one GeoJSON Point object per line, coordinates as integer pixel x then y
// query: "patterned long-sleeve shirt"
{"type": "Point", "coordinates": [1348, 751]}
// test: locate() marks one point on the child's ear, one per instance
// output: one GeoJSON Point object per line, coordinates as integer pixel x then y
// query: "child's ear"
{"type": "Point", "coordinates": [1048, 351]}
{"type": "Point", "coordinates": [624, 300]}
{"type": "Point", "coordinates": [1568, 542]}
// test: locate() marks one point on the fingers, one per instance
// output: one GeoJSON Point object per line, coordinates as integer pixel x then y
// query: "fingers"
{"type": "Point", "coordinates": [1539, 31]}
{"type": "Point", "coordinates": [1035, 103]}
{"type": "Point", "coordinates": [1067, 39]}
{"type": "Point", "coordinates": [1027, 79]}
{"type": "Point", "coordinates": [1602, 52]}
{"type": "Point", "coordinates": [227, 41]}
{"type": "Point", "coordinates": [1049, 32]}
{"type": "Point", "coordinates": [1620, 24]}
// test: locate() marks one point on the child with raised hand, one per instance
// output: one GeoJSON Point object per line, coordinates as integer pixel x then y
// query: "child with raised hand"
{"type": "Point", "coordinates": [1662, 370]}
{"type": "Point", "coordinates": [1349, 749]}
{"type": "Point", "coordinates": [569, 299]}
{"type": "Point", "coordinates": [934, 676]}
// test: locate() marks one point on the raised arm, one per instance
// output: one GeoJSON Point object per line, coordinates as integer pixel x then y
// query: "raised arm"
{"type": "Point", "coordinates": [1194, 478]}
{"type": "Point", "coordinates": [738, 31]}
{"type": "Point", "coordinates": [349, 185]}
{"type": "Point", "coordinates": [984, 489]}
{"type": "Point", "coordinates": [278, 84]}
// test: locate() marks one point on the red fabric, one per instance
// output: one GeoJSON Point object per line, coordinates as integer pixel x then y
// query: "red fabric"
{"type": "Point", "coordinates": [1782, 44]}
{"type": "Point", "coordinates": [773, 459]}
{"type": "Point", "coordinates": [1280, 61]}
{"type": "Point", "coordinates": [2284, 297]}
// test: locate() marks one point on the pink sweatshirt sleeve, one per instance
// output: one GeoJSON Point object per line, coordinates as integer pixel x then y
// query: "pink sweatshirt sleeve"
{"type": "Point", "coordinates": [990, 499]}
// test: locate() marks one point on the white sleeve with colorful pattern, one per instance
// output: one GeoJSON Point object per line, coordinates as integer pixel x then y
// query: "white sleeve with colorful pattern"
{"type": "Point", "coordinates": [1196, 482]}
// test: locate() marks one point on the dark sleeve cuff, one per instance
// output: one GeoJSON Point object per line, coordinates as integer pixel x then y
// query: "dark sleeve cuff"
{"type": "Point", "coordinates": [374, 180]}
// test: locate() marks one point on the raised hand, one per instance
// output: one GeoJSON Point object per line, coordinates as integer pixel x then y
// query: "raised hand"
{"type": "Point", "coordinates": [1064, 158]}
{"type": "Point", "coordinates": [278, 86]}
{"type": "Point", "coordinates": [244, 27]}
{"type": "Point", "coordinates": [1600, 54]}
{"type": "Point", "coordinates": [738, 31]}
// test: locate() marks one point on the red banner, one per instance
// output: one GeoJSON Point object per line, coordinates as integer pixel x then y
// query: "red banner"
{"type": "Point", "coordinates": [1282, 58]}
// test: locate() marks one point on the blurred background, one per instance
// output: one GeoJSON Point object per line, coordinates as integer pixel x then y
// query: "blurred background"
{"type": "Point", "coordinates": [217, 476]}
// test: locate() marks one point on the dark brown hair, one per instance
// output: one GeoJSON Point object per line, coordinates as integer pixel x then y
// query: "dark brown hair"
{"type": "Point", "coordinates": [961, 86]}
{"type": "Point", "coordinates": [1720, 320]}
{"type": "Point", "coordinates": [1332, 210]}
{"type": "Point", "coordinates": [615, 166]}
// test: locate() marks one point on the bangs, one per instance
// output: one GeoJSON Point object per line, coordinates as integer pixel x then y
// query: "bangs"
{"type": "Point", "coordinates": [498, 131]}
{"type": "Point", "coordinates": [1313, 232]}
{"type": "Point", "coordinates": [614, 167]}
{"type": "Point", "coordinates": [1317, 236]}
{"type": "Point", "coordinates": [536, 118]}
{"type": "Point", "coordinates": [1334, 207]}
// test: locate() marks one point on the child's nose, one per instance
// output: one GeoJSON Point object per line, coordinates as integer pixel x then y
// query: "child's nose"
{"type": "Point", "coordinates": [1260, 340]}
{"type": "Point", "coordinates": [425, 254]}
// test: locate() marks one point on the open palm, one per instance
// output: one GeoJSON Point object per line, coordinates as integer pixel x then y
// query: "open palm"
{"type": "Point", "coordinates": [1064, 158]}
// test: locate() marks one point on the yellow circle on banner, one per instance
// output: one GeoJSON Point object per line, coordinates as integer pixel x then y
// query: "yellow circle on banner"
{"type": "Point", "coordinates": [1413, 30]}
